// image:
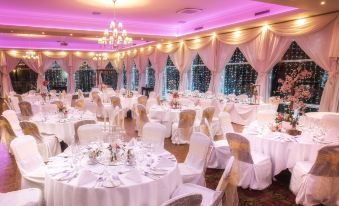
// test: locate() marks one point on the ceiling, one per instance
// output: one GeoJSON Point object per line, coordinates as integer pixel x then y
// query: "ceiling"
{"type": "Point", "coordinates": [42, 24]}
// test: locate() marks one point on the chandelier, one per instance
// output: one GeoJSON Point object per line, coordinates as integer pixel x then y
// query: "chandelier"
{"type": "Point", "coordinates": [30, 55]}
{"type": "Point", "coordinates": [100, 57]}
{"type": "Point", "coordinates": [116, 36]}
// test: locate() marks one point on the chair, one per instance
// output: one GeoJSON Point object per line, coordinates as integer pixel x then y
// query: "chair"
{"type": "Point", "coordinates": [19, 97]}
{"type": "Point", "coordinates": [25, 109]}
{"type": "Point", "coordinates": [89, 132]}
{"type": "Point", "coordinates": [181, 132]}
{"type": "Point", "coordinates": [142, 100]}
{"type": "Point", "coordinates": [25, 197]}
{"type": "Point", "coordinates": [13, 120]}
{"type": "Point", "coordinates": [79, 104]}
{"type": "Point", "coordinates": [80, 94]}
{"type": "Point", "coordinates": [194, 167]}
{"type": "Point", "coordinates": [115, 101]}
{"type": "Point", "coordinates": [14, 102]}
{"type": "Point", "coordinates": [255, 169]}
{"type": "Point", "coordinates": [226, 191]}
{"type": "Point", "coordinates": [58, 103]}
{"type": "Point", "coordinates": [77, 125]}
{"type": "Point", "coordinates": [317, 183]}
{"type": "Point", "coordinates": [206, 126]}
{"type": "Point", "coordinates": [48, 144]}
{"type": "Point", "coordinates": [154, 132]}
{"type": "Point", "coordinates": [100, 108]}
{"type": "Point", "coordinates": [151, 102]}
{"type": "Point", "coordinates": [6, 132]}
{"type": "Point", "coordinates": [220, 151]}
{"type": "Point", "coordinates": [184, 200]}
{"type": "Point", "coordinates": [141, 117]}
{"type": "Point", "coordinates": [29, 161]}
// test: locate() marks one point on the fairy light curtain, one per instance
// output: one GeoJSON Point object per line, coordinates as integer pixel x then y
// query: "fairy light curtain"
{"type": "Point", "coordinates": [149, 76]}
{"type": "Point", "coordinates": [170, 78]}
{"type": "Point", "coordinates": [109, 76]}
{"type": "Point", "coordinates": [199, 76]}
{"type": "Point", "coordinates": [124, 77]}
{"type": "Point", "coordinates": [134, 78]}
{"type": "Point", "coordinates": [23, 78]}
{"type": "Point", "coordinates": [238, 75]}
{"type": "Point", "coordinates": [292, 59]}
{"type": "Point", "coordinates": [85, 77]}
{"type": "Point", "coordinates": [56, 77]}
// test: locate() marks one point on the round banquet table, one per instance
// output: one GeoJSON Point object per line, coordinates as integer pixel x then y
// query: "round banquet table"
{"type": "Point", "coordinates": [319, 115]}
{"type": "Point", "coordinates": [167, 114]}
{"type": "Point", "coordinates": [284, 150]}
{"type": "Point", "coordinates": [63, 128]}
{"type": "Point", "coordinates": [80, 189]}
{"type": "Point", "coordinates": [242, 114]}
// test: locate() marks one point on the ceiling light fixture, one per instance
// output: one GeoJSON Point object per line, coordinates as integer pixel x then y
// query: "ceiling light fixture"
{"type": "Point", "coordinates": [30, 55]}
{"type": "Point", "coordinates": [116, 36]}
{"type": "Point", "coordinates": [323, 3]}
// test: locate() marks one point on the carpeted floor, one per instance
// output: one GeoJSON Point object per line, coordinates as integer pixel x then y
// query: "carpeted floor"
{"type": "Point", "coordinates": [278, 194]}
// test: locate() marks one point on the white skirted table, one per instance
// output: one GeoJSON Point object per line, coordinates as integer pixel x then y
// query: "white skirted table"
{"type": "Point", "coordinates": [285, 150]}
{"type": "Point", "coordinates": [167, 114]}
{"type": "Point", "coordinates": [150, 182]}
{"type": "Point", "coordinates": [242, 114]}
{"type": "Point", "coordinates": [319, 115]}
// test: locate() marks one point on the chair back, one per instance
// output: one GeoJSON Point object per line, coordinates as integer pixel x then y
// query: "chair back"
{"type": "Point", "coordinates": [74, 98]}
{"type": "Point", "coordinates": [14, 101]}
{"type": "Point", "coordinates": [94, 95]}
{"type": "Point", "coordinates": [12, 118]}
{"type": "Point", "coordinates": [327, 162]}
{"type": "Point", "coordinates": [190, 199]}
{"type": "Point", "coordinates": [198, 152]}
{"type": "Point", "coordinates": [19, 97]}
{"type": "Point", "coordinates": [240, 147]}
{"type": "Point", "coordinates": [142, 100]}
{"type": "Point", "coordinates": [30, 128]}
{"type": "Point", "coordinates": [89, 132]}
{"type": "Point", "coordinates": [25, 109]}
{"type": "Point", "coordinates": [142, 118]}
{"type": "Point", "coordinates": [80, 94]}
{"type": "Point", "coordinates": [154, 132]}
{"type": "Point", "coordinates": [115, 101]}
{"type": "Point", "coordinates": [225, 123]}
{"type": "Point", "coordinates": [6, 132]}
{"type": "Point", "coordinates": [79, 104]}
{"type": "Point", "coordinates": [58, 103]}
{"type": "Point", "coordinates": [26, 154]}
{"type": "Point", "coordinates": [150, 103]}
{"type": "Point", "coordinates": [186, 122]}
{"type": "Point", "coordinates": [208, 114]}
{"type": "Point", "coordinates": [77, 125]}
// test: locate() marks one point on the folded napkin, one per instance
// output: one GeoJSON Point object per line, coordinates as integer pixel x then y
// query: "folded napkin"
{"type": "Point", "coordinates": [134, 175]}
{"type": "Point", "coordinates": [85, 177]}
{"type": "Point", "coordinates": [164, 162]}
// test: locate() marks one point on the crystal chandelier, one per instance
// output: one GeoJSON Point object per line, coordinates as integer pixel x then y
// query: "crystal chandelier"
{"type": "Point", "coordinates": [116, 36]}
{"type": "Point", "coordinates": [100, 57]}
{"type": "Point", "coordinates": [30, 55]}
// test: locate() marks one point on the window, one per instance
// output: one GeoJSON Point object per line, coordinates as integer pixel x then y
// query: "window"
{"type": "Point", "coordinates": [85, 78]}
{"type": "Point", "coordinates": [134, 78]}
{"type": "Point", "coordinates": [56, 77]}
{"type": "Point", "coordinates": [109, 76]}
{"type": "Point", "coordinates": [23, 78]}
{"type": "Point", "coordinates": [292, 59]}
{"type": "Point", "coordinates": [170, 78]}
{"type": "Point", "coordinates": [124, 77]}
{"type": "Point", "coordinates": [149, 76]}
{"type": "Point", "coordinates": [238, 75]}
{"type": "Point", "coordinates": [199, 75]}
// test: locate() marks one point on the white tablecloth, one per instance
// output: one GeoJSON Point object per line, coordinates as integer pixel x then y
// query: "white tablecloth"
{"type": "Point", "coordinates": [150, 191]}
{"type": "Point", "coordinates": [285, 151]}
{"type": "Point", "coordinates": [319, 115]}
{"type": "Point", "coordinates": [242, 114]}
{"type": "Point", "coordinates": [166, 114]}
{"type": "Point", "coordinates": [62, 128]}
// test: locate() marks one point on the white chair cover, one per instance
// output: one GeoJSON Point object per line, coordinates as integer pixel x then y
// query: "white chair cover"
{"type": "Point", "coordinates": [194, 167]}
{"type": "Point", "coordinates": [184, 200]}
{"type": "Point", "coordinates": [255, 169]}
{"type": "Point", "coordinates": [29, 161]}
{"type": "Point", "coordinates": [181, 131]}
{"type": "Point", "coordinates": [25, 197]}
{"type": "Point", "coordinates": [317, 183]}
{"type": "Point", "coordinates": [225, 124]}
{"type": "Point", "coordinates": [15, 103]}
{"type": "Point", "coordinates": [13, 119]}
{"type": "Point", "coordinates": [89, 132]}
{"type": "Point", "coordinates": [154, 133]}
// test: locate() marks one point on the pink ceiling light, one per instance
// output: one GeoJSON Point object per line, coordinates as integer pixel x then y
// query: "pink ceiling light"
{"type": "Point", "coordinates": [116, 36]}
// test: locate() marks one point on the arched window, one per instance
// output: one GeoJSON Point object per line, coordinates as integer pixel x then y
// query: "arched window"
{"type": "Point", "coordinates": [85, 78]}
{"type": "Point", "coordinates": [238, 75]}
{"type": "Point", "coordinates": [124, 77]}
{"type": "Point", "coordinates": [170, 78]}
{"type": "Point", "coordinates": [109, 76]}
{"type": "Point", "coordinates": [23, 78]}
{"type": "Point", "coordinates": [149, 75]}
{"type": "Point", "coordinates": [199, 75]}
{"type": "Point", "coordinates": [56, 77]}
{"type": "Point", "coordinates": [292, 59]}
{"type": "Point", "coordinates": [134, 78]}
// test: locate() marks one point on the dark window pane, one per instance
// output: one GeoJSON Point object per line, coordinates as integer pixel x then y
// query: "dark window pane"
{"type": "Point", "coordinates": [23, 78]}
{"type": "Point", "coordinates": [149, 75]}
{"type": "Point", "coordinates": [85, 78]}
{"type": "Point", "coordinates": [56, 77]}
{"type": "Point", "coordinates": [109, 76]}
{"type": "Point", "coordinates": [201, 75]}
{"type": "Point", "coordinates": [134, 78]}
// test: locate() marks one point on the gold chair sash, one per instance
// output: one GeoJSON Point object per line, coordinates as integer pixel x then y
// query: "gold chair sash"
{"type": "Point", "coordinates": [30, 128]}
{"type": "Point", "coordinates": [25, 109]}
{"type": "Point", "coordinates": [240, 147]}
{"type": "Point", "coordinates": [142, 116]}
{"type": "Point", "coordinates": [77, 125]}
{"type": "Point", "coordinates": [327, 162]}
{"type": "Point", "coordinates": [19, 97]}
{"type": "Point", "coordinates": [74, 98]}
{"type": "Point", "coordinates": [95, 95]}
{"type": "Point", "coordinates": [58, 103]}
{"type": "Point", "coordinates": [208, 114]}
{"type": "Point", "coordinates": [142, 100]}
{"type": "Point", "coordinates": [115, 101]}
{"type": "Point", "coordinates": [186, 122]}
{"type": "Point", "coordinates": [79, 104]}
{"type": "Point", "coordinates": [6, 131]}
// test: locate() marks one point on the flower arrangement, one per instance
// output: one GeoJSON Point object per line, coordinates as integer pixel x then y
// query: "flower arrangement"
{"type": "Point", "coordinates": [294, 92]}
{"type": "Point", "coordinates": [175, 104]}
{"type": "Point", "coordinates": [63, 110]}
{"type": "Point", "coordinates": [93, 154]}
{"type": "Point", "coordinates": [113, 151]}
{"type": "Point", "coordinates": [45, 83]}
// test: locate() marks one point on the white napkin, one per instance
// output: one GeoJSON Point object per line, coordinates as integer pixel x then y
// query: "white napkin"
{"type": "Point", "coordinates": [134, 175]}
{"type": "Point", "coordinates": [164, 162]}
{"type": "Point", "coordinates": [85, 177]}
